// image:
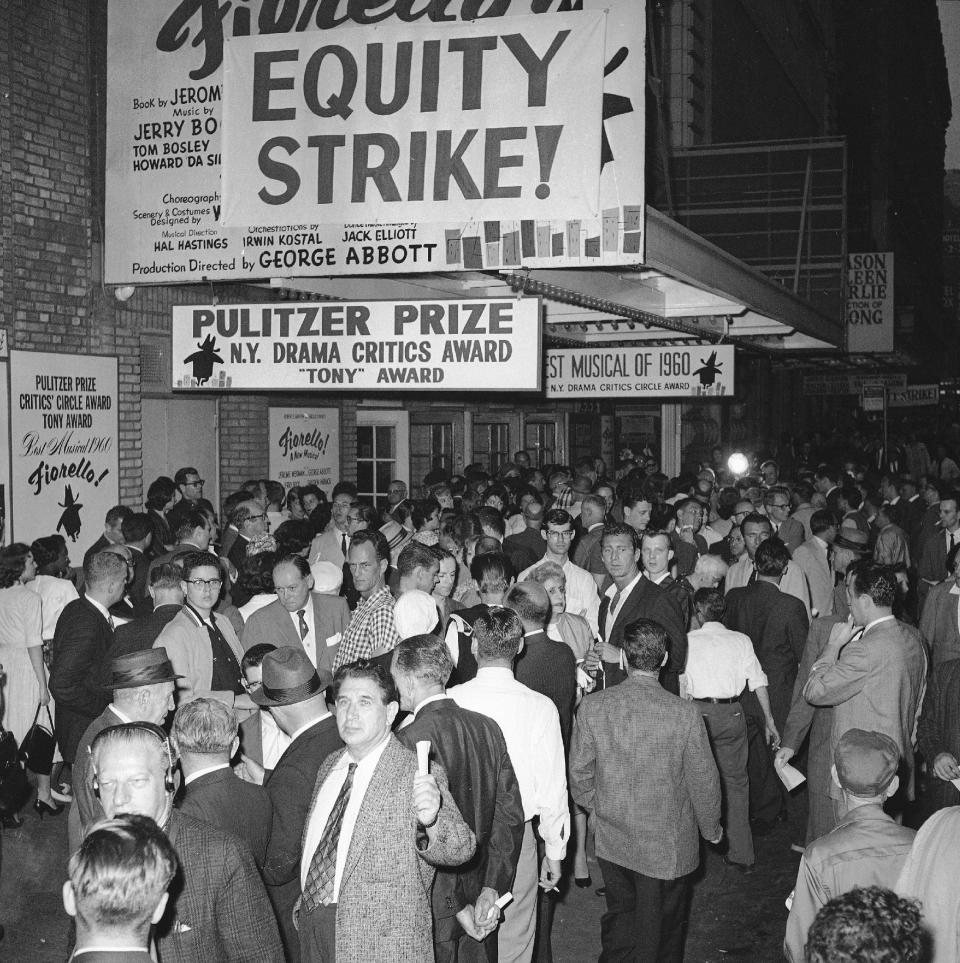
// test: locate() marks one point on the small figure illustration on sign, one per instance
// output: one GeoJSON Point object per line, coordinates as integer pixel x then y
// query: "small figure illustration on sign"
{"type": "Point", "coordinates": [70, 519]}
{"type": "Point", "coordinates": [204, 359]}
{"type": "Point", "coordinates": [709, 369]}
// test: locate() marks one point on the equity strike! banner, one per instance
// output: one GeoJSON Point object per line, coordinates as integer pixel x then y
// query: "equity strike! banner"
{"type": "Point", "coordinates": [481, 345]}
{"type": "Point", "coordinates": [63, 439]}
{"type": "Point", "coordinates": [552, 132]}
{"type": "Point", "coordinates": [677, 372]}
{"type": "Point", "coordinates": [361, 127]}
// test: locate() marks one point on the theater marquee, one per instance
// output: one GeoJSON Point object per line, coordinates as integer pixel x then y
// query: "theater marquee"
{"type": "Point", "coordinates": [490, 344]}
{"type": "Point", "coordinates": [648, 373]}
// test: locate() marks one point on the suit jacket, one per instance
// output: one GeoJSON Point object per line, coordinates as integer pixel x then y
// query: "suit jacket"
{"type": "Point", "coordinates": [472, 750]}
{"type": "Point", "coordinates": [237, 556]}
{"type": "Point", "coordinates": [218, 910]}
{"type": "Point", "coordinates": [876, 683]}
{"type": "Point", "coordinates": [812, 559]}
{"type": "Point", "coordinates": [141, 633]}
{"type": "Point", "coordinates": [685, 555]}
{"type": "Point", "coordinates": [939, 625]}
{"type": "Point", "coordinates": [188, 646]}
{"type": "Point", "coordinates": [525, 549]}
{"type": "Point", "coordinates": [390, 863]}
{"type": "Point", "coordinates": [791, 534]}
{"type": "Point", "coordinates": [289, 787]}
{"type": "Point", "coordinates": [98, 546]}
{"type": "Point", "coordinates": [550, 668]}
{"type": "Point", "coordinates": [932, 564]}
{"type": "Point", "coordinates": [327, 546]}
{"type": "Point", "coordinates": [939, 729]}
{"type": "Point", "coordinates": [231, 805]}
{"type": "Point", "coordinates": [86, 808]}
{"type": "Point", "coordinates": [648, 601]}
{"type": "Point", "coordinates": [272, 623]}
{"type": "Point", "coordinates": [81, 646]}
{"type": "Point", "coordinates": [777, 625]}
{"type": "Point", "coordinates": [137, 590]}
{"type": "Point", "coordinates": [641, 762]}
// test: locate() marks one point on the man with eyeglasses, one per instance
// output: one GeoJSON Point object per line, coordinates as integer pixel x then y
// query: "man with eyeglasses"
{"type": "Point", "coordinates": [582, 597]}
{"type": "Point", "coordinates": [190, 485]}
{"type": "Point", "coordinates": [397, 496]}
{"type": "Point", "coordinates": [776, 503]}
{"type": "Point", "coordinates": [203, 648]}
{"type": "Point", "coordinates": [252, 524]}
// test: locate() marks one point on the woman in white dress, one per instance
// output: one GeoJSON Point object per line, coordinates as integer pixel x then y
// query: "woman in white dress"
{"type": "Point", "coordinates": [52, 584]}
{"type": "Point", "coordinates": [21, 654]}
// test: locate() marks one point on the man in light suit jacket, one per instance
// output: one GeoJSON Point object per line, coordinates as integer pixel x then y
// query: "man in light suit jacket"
{"type": "Point", "coordinates": [872, 669]}
{"type": "Point", "coordinates": [813, 559]}
{"type": "Point", "coordinates": [641, 762]}
{"type": "Point", "coordinates": [81, 650]}
{"type": "Point", "coordinates": [300, 616]}
{"type": "Point", "coordinates": [331, 544]}
{"type": "Point", "coordinates": [932, 563]}
{"type": "Point", "coordinates": [220, 912]}
{"type": "Point", "coordinates": [128, 855]}
{"type": "Point", "coordinates": [366, 874]}
{"type": "Point", "coordinates": [472, 750]}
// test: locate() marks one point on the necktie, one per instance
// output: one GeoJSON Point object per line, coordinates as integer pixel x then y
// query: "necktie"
{"type": "Point", "coordinates": [753, 577]}
{"type": "Point", "coordinates": [318, 890]}
{"type": "Point", "coordinates": [304, 629]}
{"type": "Point", "coordinates": [343, 543]}
{"type": "Point", "coordinates": [113, 624]}
{"type": "Point", "coordinates": [953, 543]}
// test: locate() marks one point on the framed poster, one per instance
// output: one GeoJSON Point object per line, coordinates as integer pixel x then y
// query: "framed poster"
{"type": "Point", "coordinates": [305, 447]}
{"type": "Point", "coordinates": [64, 434]}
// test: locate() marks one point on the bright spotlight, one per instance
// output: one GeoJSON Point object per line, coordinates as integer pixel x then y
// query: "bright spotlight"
{"type": "Point", "coordinates": [738, 463]}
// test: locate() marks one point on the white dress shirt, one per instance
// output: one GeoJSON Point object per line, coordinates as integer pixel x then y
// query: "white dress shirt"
{"type": "Point", "coordinates": [323, 806]}
{"type": "Point", "coordinates": [610, 653]}
{"type": "Point", "coordinates": [531, 728]}
{"type": "Point", "coordinates": [719, 663]}
{"type": "Point", "coordinates": [202, 772]}
{"type": "Point", "coordinates": [581, 594]}
{"type": "Point", "coordinates": [310, 639]}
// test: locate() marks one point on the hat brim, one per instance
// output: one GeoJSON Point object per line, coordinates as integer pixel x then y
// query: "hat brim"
{"type": "Point", "coordinates": [133, 683]}
{"type": "Point", "coordinates": [841, 542]}
{"type": "Point", "coordinates": [265, 698]}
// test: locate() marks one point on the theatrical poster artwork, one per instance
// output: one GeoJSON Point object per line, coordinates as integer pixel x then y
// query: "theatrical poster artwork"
{"type": "Point", "coordinates": [64, 446]}
{"type": "Point", "coordinates": [305, 447]}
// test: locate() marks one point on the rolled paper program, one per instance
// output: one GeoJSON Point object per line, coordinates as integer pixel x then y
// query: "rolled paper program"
{"type": "Point", "coordinates": [499, 904]}
{"type": "Point", "coordinates": [423, 757]}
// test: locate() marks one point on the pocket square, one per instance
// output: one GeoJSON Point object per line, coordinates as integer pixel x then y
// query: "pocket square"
{"type": "Point", "coordinates": [180, 927]}
{"type": "Point", "coordinates": [334, 639]}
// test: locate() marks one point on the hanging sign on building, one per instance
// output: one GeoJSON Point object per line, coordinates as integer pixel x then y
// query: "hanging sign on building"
{"type": "Point", "coordinates": [869, 306]}
{"type": "Point", "coordinates": [650, 373]}
{"type": "Point", "coordinates": [305, 447]}
{"type": "Point", "coordinates": [913, 395]}
{"type": "Point", "coordinates": [490, 119]}
{"type": "Point", "coordinates": [460, 102]}
{"type": "Point", "coordinates": [487, 344]}
{"type": "Point", "coordinates": [64, 434]}
{"type": "Point", "coordinates": [848, 384]}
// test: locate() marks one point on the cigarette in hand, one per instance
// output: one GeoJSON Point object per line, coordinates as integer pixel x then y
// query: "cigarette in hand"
{"type": "Point", "coordinates": [499, 904]}
{"type": "Point", "coordinates": [423, 757]}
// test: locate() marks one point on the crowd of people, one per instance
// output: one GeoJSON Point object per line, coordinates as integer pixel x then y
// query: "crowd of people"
{"type": "Point", "coordinates": [325, 729]}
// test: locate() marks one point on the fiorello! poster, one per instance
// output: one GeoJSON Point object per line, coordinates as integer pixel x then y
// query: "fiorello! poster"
{"type": "Point", "coordinates": [335, 139]}
{"type": "Point", "coordinates": [64, 463]}
{"type": "Point", "coordinates": [305, 447]}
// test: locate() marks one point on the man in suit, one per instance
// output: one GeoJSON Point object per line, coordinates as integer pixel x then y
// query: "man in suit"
{"type": "Point", "coordinates": [190, 484]}
{"type": "Point", "coordinates": [648, 803]}
{"type": "Point", "coordinates": [295, 695]}
{"type": "Point", "coordinates": [300, 616]}
{"type": "Point", "coordinates": [251, 523]}
{"type": "Point", "coordinates": [204, 736]}
{"type": "Point", "coordinates": [813, 559]}
{"type": "Point", "coordinates": [142, 684]}
{"type": "Point", "coordinates": [193, 535]}
{"type": "Point", "coordinates": [220, 912]}
{"type": "Point", "coordinates": [128, 855]}
{"type": "Point", "coordinates": [112, 531]}
{"type": "Point", "coordinates": [138, 537]}
{"type": "Point", "coordinates": [633, 596]}
{"type": "Point", "coordinates": [166, 592]}
{"type": "Point", "coordinates": [932, 563]}
{"type": "Point", "coordinates": [376, 830]}
{"type": "Point", "coordinates": [777, 625]}
{"type": "Point", "coordinates": [528, 546]}
{"type": "Point", "coordinates": [776, 503]}
{"type": "Point", "coordinates": [593, 510]}
{"type": "Point", "coordinates": [940, 621]}
{"type": "Point", "coordinates": [472, 750]}
{"type": "Point", "coordinates": [332, 543]}
{"type": "Point", "coordinates": [685, 538]}
{"type": "Point", "coordinates": [81, 646]}
{"type": "Point", "coordinates": [872, 669]}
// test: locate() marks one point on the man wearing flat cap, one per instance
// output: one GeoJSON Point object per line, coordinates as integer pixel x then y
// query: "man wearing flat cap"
{"type": "Point", "coordinates": [866, 848]}
{"type": "Point", "coordinates": [142, 684]}
{"type": "Point", "coordinates": [294, 692]}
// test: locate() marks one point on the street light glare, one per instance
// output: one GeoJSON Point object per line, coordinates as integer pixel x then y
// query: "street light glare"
{"type": "Point", "coordinates": [738, 463]}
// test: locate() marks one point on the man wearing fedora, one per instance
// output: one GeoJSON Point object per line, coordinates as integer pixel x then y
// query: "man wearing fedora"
{"type": "Point", "coordinates": [867, 848]}
{"type": "Point", "coordinates": [142, 684]}
{"type": "Point", "coordinates": [294, 692]}
{"type": "Point", "coordinates": [372, 630]}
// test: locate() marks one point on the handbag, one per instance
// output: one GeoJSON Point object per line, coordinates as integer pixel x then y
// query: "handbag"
{"type": "Point", "coordinates": [38, 745]}
{"type": "Point", "coordinates": [14, 786]}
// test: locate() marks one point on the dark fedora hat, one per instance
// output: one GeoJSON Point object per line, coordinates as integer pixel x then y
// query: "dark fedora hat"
{"type": "Point", "coordinates": [288, 678]}
{"type": "Point", "coordinates": [147, 667]}
{"type": "Point", "coordinates": [853, 540]}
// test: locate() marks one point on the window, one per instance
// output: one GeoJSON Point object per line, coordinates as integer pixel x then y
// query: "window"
{"type": "Point", "coordinates": [382, 453]}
